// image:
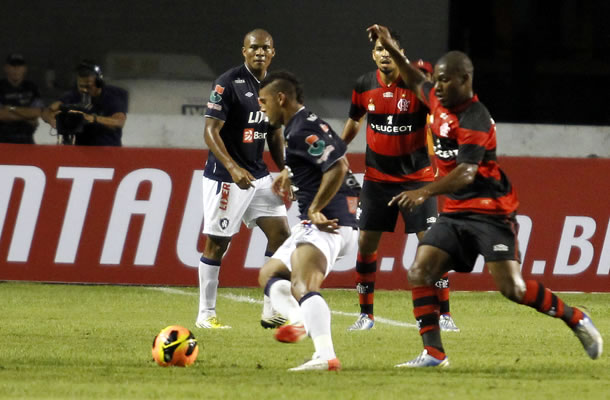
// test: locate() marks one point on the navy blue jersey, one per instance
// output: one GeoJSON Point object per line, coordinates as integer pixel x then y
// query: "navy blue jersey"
{"type": "Point", "coordinates": [112, 100]}
{"type": "Point", "coordinates": [312, 148]}
{"type": "Point", "coordinates": [234, 100]}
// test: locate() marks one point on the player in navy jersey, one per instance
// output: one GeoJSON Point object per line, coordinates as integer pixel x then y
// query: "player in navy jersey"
{"type": "Point", "coordinates": [478, 216]}
{"type": "Point", "coordinates": [236, 182]}
{"type": "Point", "coordinates": [317, 167]}
{"type": "Point", "coordinates": [396, 160]}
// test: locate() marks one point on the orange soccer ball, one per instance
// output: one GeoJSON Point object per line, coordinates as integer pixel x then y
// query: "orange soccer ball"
{"type": "Point", "coordinates": [175, 345]}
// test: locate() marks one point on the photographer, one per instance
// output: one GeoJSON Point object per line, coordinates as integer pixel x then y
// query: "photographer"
{"type": "Point", "coordinates": [20, 103]}
{"type": "Point", "coordinates": [92, 114]}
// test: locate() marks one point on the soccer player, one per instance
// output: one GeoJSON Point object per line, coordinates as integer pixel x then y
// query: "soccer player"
{"type": "Point", "coordinates": [236, 182]}
{"type": "Point", "coordinates": [396, 160]}
{"type": "Point", "coordinates": [479, 213]}
{"type": "Point", "coordinates": [315, 159]}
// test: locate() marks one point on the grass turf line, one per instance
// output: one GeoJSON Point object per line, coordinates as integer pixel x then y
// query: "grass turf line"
{"type": "Point", "coordinates": [79, 341]}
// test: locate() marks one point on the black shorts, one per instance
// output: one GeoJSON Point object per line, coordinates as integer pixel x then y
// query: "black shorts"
{"type": "Point", "coordinates": [375, 215]}
{"type": "Point", "coordinates": [466, 235]}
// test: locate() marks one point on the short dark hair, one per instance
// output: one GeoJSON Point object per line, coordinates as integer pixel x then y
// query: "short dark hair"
{"type": "Point", "coordinates": [285, 82]}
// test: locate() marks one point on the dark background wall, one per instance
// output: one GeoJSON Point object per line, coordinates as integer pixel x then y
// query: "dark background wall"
{"type": "Point", "coordinates": [324, 42]}
{"type": "Point", "coordinates": [535, 60]}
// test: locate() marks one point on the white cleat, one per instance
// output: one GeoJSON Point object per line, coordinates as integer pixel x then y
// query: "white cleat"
{"type": "Point", "coordinates": [446, 323]}
{"type": "Point", "coordinates": [590, 337]}
{"type": "Point", "coordinates": [270, 318]}
{"type": "Point", "coordinates": [211, 323]}
{"type": "Point", "coordinates": [425, 360]}
{"type": "Point", "coordinates": [319, 365]}
{"type": "Point", "coordinates": [363, 323]}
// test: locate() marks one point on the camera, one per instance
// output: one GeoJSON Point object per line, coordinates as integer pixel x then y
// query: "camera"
{"type": "Point", "coordinates": [70, 123]}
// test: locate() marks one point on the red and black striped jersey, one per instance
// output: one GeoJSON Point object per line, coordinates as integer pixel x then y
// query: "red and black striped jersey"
{"type": "Point", "coordinates": [467, 134]}
{"type": "Point", "coordinates": [396, 148]}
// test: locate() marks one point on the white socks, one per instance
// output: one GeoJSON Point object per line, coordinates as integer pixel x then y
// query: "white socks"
{"type": "Point", "coordinates": [317, 323]}
{"type": "Point", "coordinates": [283, 302]}
{"type": "Point", "coordinates": [208, 288]}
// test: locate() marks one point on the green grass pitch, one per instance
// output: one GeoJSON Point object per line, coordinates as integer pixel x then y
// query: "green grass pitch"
{"type": "Point", "coordinates": [93, 342]}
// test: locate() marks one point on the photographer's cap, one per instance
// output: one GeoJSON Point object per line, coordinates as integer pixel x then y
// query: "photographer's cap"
{"type": "Point", "coordinates": [15, 59]}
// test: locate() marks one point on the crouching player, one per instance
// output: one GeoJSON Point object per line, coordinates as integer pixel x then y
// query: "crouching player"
{"type": "Point", "coordinates": [316, 165]}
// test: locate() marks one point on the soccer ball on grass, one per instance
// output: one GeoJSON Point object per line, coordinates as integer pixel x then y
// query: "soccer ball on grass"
{"type": "Point", "coordinates": [175, 346]}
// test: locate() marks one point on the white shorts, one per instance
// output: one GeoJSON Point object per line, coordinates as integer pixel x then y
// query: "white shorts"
{"type": "Point", "coordinates": [333, 245]}
{"type": "Point", "coordinates": [225, 205]}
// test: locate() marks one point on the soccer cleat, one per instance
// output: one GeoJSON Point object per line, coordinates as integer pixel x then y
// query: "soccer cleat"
{"type": "Point", "coordinates": [273, 321]}
{"type": "Point", "coordinates": [211, 323]}
{"type": "Point", "coordinates": [318, 364]}
{"type": "Point", "coordinates": [425, 360]}
{"type": "Point", "coordinates": [269, 317]}
{"type": "Point", "coordinates": [290, 333]}
{"type": "Point", "coordinates": [446, 323]}
{"type": "Point", "coordinates": [363, 323]}
{"type": "Point", "coordinates": [589, 336]}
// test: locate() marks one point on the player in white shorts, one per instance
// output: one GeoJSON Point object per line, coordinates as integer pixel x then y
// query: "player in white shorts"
{"type": "Point", "coordinates": [317, 167]}
{"type": "Point", "coordinates": [236, 183]}
{"type": "Point", "coordinates": [226, 206]}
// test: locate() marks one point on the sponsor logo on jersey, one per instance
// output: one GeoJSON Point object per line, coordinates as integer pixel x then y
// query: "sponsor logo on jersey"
{"type": "Point", "coordinates": [444, 130]}
{"type": "Point", "coordinates": [312, 117]}
{"type": "Point", "coordinates": [216, 95]}
{"type": "Point", "coordinates": [391, 128]}
{"type": "Point", "coordinates": [324, 127]}
{"type": "Point", "coordinates": [256, 117]}
{"type": "Point", "coordinates": [352, 204]}
{"type": "Point", "coordinates": [250, 135]}
{"type": "Point", "coordinates": [403, 104]}
{"type": "Point", "coordinates": [239, 80]}
{"type": "Point", "coordinates": [213, 106]}
{"type": "Point", "coordinates": [249, 94]}
{"type": "Point", "coordinates": [500, 247]}
{"type": "Point", "coordinates": [371, 106]}
{"type": "Point", "coordinates": [388, 94]}
{"type": "Point", "coordinates": [316, 145]}
{"type": "Point", "coordinates": [444, 154]}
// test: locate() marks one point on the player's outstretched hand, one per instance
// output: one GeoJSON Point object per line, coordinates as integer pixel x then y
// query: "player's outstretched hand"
{"type": "Point", "coordinates": [379, 32]}
{"type": "Point", "coordinates": [410, 199]}
{"type": "Point", "coordinates": [324, 224]}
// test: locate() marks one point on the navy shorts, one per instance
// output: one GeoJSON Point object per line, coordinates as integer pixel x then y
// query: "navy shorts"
{"type": "Point", "coordinates": [375, 215]}
{"type": "Point", "coordinates": [466, 235]}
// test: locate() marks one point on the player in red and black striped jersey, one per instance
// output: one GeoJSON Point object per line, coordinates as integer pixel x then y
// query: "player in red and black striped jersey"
{"type": "Point", "coordinates": [396, 160]}
{"type": "Point", "coordinates": [479, 214]}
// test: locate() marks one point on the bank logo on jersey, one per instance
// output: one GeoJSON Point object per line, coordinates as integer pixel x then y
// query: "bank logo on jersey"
{"type": "Point", "coordinates": [250, 135]}
{"type": "Point", "coordinates": [216, 95]}
{"type": "Point", "coordinates": [403, 105]}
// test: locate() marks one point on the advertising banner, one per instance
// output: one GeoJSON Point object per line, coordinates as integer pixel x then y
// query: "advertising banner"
{"type": "Point", "coordinates": [134, 216]}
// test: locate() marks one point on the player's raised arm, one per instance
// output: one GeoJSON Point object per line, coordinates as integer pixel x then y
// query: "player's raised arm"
{"type": "Point", "coordinates": [411, 75]}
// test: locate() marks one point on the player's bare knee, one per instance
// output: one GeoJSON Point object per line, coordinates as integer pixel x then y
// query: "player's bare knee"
{"type": "Point", "coordinates": [416, 275]}
{"type": "Point", "coordinates": [512, 291]}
